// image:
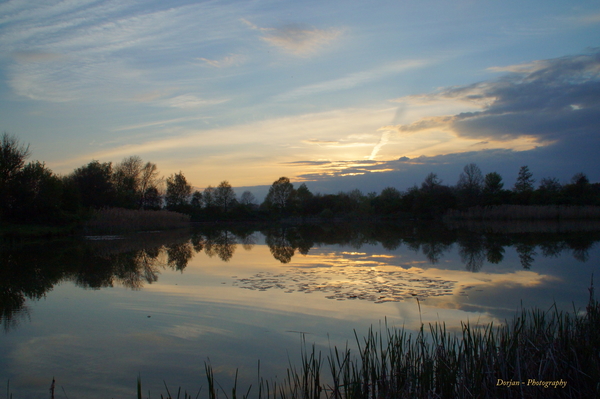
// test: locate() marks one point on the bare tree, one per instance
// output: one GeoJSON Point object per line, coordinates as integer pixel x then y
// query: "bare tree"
{"type": "Point", "coordinates": [12, 158]}
{"type": "Point", "coordinates": [247, 198]}
{"type": "Point", "coordinates": [471, 179]}
{"type": "Point", "coordinates": [208, 196]}
{"type": "Point", "coordinates": [280, 193]}
{"type": "Point", "coordinates": [148, 182]}
{"type": "Point", "coordinates": [224, 196]}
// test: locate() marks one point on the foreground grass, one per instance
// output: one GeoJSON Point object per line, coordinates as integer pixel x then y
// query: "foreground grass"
{"type": "Point", "coordinates": [539, 354]}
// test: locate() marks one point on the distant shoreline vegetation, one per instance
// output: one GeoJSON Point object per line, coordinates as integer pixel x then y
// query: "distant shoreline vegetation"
{"type": "Point", "coordinates": [133, 194]}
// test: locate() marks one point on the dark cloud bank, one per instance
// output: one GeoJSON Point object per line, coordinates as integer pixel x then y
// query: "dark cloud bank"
{"type": "Point", "coordinates": [556, 102]}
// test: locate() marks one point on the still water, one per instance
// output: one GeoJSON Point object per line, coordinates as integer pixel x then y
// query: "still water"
{"type": "Point", "coordinates": [97, 312]}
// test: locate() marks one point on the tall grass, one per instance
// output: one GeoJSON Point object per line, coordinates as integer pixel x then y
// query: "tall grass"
{"type": "Point", "coordinates": [538, 354]}
{"type": "Point", "coordinates": [526, 212]}
{"type": "Point", "coordinates": [117, 220]}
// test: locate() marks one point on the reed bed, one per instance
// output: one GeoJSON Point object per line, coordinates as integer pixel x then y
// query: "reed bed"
{"type": "Point", "coordinates": [538, 354]}
{"type": "Point", "coordinates": [117, 220]}
{"type": "Point", "coordinates": [526, 212]}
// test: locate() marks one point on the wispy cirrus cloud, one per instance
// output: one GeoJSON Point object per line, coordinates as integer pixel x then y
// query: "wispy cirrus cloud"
{"type": "Point", "coordinates": [189, 101]}
{"type": "Point", "coordinates": [297, 39]}
{"type": "Point", "coordinates": [224, 62]}
{"type": "Point", "coordinates": [352, 80]}
{"type": "Point", "coordinates": [86, 49]}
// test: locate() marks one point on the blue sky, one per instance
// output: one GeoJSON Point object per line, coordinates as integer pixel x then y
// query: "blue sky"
{"type": "Point", "coordinates": [341, 95]}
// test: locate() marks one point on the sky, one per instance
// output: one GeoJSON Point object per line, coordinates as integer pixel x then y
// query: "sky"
{"type": "Point", "coordinates": [337, 94]}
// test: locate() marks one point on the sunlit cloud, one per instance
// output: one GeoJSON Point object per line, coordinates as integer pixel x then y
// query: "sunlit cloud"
{"type": "Point", "coordinates": [535, 104]}
{"type": "Point", "coordinates": [260, 144]}
{"type": "Point", "coordinates": [299, 40]}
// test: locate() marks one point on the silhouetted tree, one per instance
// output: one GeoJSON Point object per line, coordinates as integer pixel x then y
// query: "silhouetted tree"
{"type": "Point", "coordinates": [152, 199]}
{"type": "Point", "coordinates": [93, 184]}
{"type": "Point", "coordinates": [470, 185]}
{"type": "Point", "coordinates": [493, 193]}
{"type": "Point", "coordinates": [303, 198]}
{"type": "Point", "coordinates": [126, 180]}
{"type": "Point", "coordinates": [432, 200]}
{"type": "Point", "coordinates": [247, 199]}
{"type": "Point", "coordinates": [208, 196]}
{"type": "Point", "coordinates": [196, 201]}
{"type": "Point", "coordinates": [524, 185]}
{"type": "Point", "coordinates": [37, 193]}
{"type": "Point", "coordinates": [178, 192]}
{"type": "Point", "coordinates": [280, 194]}
{"type": "Point", "coordinates": [12, 159]}
{"type": "Point", "coordinates": [388, 202]}
{"type": "Point", "coordinates": [224, 196]}
{"type": "Point", "coordinates": [548, 192]}
{"type": "Point", "coordinates": [148, 183]}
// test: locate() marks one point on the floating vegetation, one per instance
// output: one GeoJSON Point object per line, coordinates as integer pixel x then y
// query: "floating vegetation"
{"type": "Point", "coordinates": [348, 283]}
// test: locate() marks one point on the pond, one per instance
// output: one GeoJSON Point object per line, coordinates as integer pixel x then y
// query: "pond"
{"type": "Point", "coordinates": [97, 312]}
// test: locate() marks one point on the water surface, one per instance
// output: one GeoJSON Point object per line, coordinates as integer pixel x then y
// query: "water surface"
{"type": "Point", "coordinates": [97, 312]}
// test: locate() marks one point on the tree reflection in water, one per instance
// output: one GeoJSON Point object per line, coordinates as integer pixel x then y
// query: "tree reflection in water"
{"type": "Point", "coordinates": [30, 270]}
{"type": "Point", "coordinates": [280, 245]}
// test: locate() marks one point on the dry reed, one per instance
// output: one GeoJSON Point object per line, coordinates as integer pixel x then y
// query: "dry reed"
{"type": "Point", "coordinates": [539, 354]}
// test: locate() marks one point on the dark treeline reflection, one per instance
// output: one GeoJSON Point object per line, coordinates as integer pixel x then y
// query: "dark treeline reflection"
{"type": "Point", "coordinates": [29, 271]}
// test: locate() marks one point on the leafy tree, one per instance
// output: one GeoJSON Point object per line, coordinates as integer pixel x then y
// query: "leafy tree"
{"type": "Point", "coordinates": [579, 192]}
{"type": "Point", "coordinates": [389, 201]}
{"type": "Point", "coordinates": [493, 193]}
{"type": "Point", "coordinates": [549, 191]}
{"type": "Point", "coordinates": [37, 193]}
{"type": "Point", "coordinates": [580, 179]}
{"type": "Point", "coordinates": [493, 183]}
{"type": "Point", "coordinates": [152, 199]}
{"type": "Point", "coordinates": [126, 179]}
{"type": "Point", "coordinates": [178, 192]}
{"type": "Point", "coordinates": [94, 185]}
{"type": "Point", "coordinates": [280, 194]}
{"type": "Point", "coordinates": [525, 180]}
{"type": "Point", "coordinates": [433, 199]}
{"type": "Point", "coordinates": [303, 198]}
{"type": "Point", "coordinates": [224, 196]}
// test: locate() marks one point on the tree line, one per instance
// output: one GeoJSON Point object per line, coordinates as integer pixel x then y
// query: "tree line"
{"type": "Point", "coordinates": [31, 192]}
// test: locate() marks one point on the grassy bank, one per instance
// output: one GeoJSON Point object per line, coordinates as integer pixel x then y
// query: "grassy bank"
{"type": "Point", "coordinates": [538, 354]}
